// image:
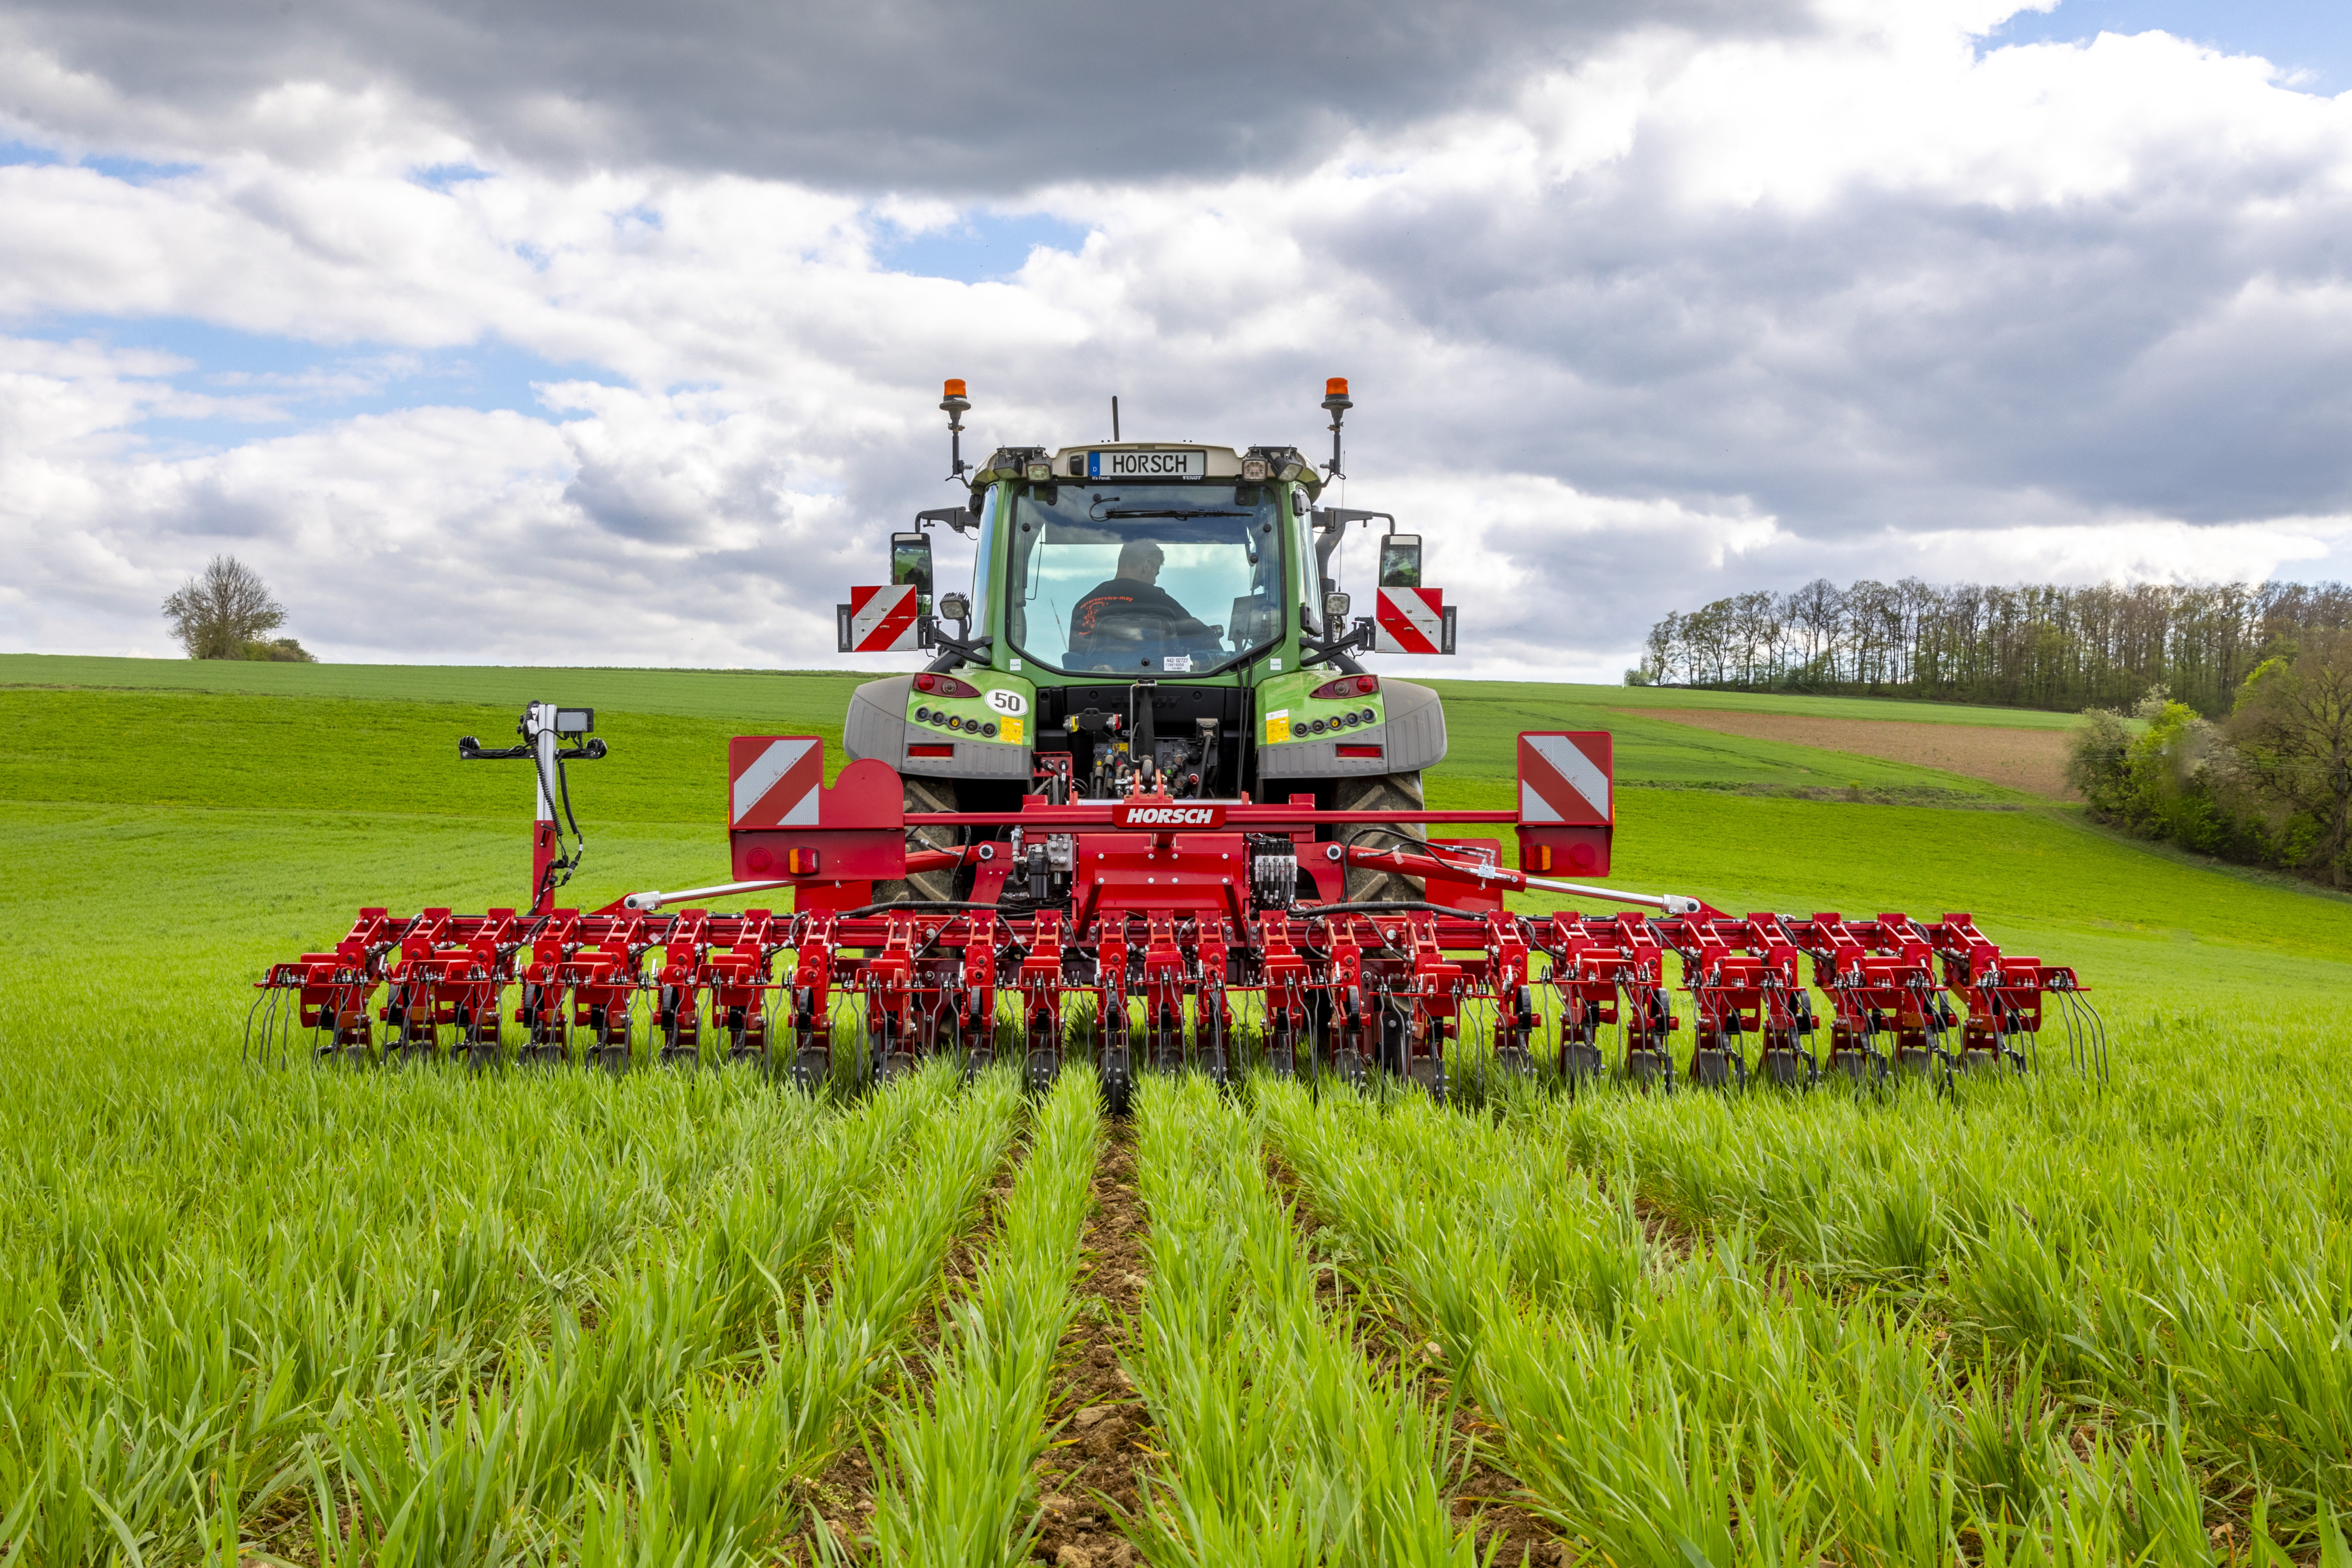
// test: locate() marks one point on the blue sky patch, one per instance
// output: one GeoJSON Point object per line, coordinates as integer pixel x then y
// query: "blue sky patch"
{"type": "Point", "coordinates": [983, 248]}
{"type": "Point", "coordinates": [131, 171]}
{"type": "Point", "coordinates": [2311, 36]}
{"type": "Point", "coordinates": [441, 176]}
{"type": "Point", "coordinates": [305, 384]}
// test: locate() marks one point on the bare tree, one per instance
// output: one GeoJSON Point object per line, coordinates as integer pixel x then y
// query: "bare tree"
{"type": "Point", "coordinates": [222, 614]}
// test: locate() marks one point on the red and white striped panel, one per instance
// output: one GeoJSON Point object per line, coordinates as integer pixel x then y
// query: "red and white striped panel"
{"type": "Point", "coordinates": [772, 780]}
{"type": "Point", "coordinates": [882, 620]}
{"type": "Point", "coordinates": [1564, 777]}
{"type": "Point", "coordinates": [1411, 620]}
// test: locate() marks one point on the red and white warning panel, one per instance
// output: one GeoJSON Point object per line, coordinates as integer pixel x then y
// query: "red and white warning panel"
{"type": "Point", "coordinates": [773, 781]}
{"type": "Point", "coordinates": [783, 820]}
{"type": "Point", "coordinates": [1567, 801]}
{"type": "Point", "coordinates": [878, 620]}
{"type": "Point", "coordinates": [1413, 620]}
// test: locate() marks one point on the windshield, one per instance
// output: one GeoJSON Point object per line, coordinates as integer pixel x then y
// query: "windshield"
{"type": "Point", "coordinates": [1145, 579]}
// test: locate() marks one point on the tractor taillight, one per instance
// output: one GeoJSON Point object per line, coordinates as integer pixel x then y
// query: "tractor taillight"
{"type": "Point", "coordinates": [1348, 685]}
{"type": "Point", "coordinates": [944, 685]}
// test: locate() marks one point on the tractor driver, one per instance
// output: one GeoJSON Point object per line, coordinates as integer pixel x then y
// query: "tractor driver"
{"type": "Point", "coordinates": [1133, 605]}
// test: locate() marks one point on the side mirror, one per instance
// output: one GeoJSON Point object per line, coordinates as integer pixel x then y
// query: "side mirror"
{"type": "Point", "coordinates": [1335, 608]}
{"type": "Point", "coordinates": [1401, 561]}
{"type": "Point", "coordinates": [910, 563]}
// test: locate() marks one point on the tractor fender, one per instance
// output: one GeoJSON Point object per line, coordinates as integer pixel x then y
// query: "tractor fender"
{"type": "Point", "coordinates": [877, 727]}
{"type": "Point", "coordinates": [1411, 736]}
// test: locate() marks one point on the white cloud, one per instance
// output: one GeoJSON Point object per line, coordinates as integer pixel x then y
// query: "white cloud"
{"type": "Point", "coordinates": [1668, 318]}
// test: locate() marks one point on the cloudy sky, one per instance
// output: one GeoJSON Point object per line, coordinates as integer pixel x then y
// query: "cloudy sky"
{"type": "Point", "coordinates": [576, 331]}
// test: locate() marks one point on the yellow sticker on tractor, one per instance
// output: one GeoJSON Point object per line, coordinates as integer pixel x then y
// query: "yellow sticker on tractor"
{"type": "Point", "coordinates": [1277, 726]}
{"type": "Point", "coordinates": [1008, 730]}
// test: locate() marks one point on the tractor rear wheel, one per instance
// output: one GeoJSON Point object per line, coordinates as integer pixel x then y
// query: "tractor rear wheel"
{"type": "Point", "coordinates": [1380, 792]}
{"type": "Point", "coordinates": [924, 795]}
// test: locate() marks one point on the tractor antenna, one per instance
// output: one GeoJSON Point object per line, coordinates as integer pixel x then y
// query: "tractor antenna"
{"type": "Point", "coordinates": [955, 403]}
{"type": "Point", "coordinates": [1114, 416]}
{"type": "Point", "coordinates": [1336, 399]}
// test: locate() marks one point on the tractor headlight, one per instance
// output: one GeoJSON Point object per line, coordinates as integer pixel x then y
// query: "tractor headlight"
{"type": "Point", "coordinates": [1041, 472]}
{"type": "Point", "coordinates": [1255, 470]}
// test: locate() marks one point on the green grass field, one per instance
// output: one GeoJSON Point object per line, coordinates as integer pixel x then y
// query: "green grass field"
{"type": "Point", "coordinates": [423, 1317]}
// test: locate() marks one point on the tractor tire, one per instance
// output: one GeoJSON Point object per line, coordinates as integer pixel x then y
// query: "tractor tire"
{"type": "Point", "coordinates": [1381, 792]}
{"type": "Point", "coordinates": [924, 795]}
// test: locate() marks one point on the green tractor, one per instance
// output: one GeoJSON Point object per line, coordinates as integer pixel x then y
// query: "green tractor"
{"type": "Point", "coordinates": [1147, 617]}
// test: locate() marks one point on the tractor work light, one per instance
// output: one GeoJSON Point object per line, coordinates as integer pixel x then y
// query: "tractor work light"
{"type": "Point", "coordinates": [1260, 463]}
{"type": "Point", "coordinates": [1041, 472]}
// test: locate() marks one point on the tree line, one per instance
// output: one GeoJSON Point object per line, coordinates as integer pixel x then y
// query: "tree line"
{"type": "Point", "coordinates": [2028, 646]}
{"type": "Point", "coordinates": [2271, 785]}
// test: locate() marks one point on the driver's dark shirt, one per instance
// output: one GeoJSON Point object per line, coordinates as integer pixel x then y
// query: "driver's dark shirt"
{"type": "Point", "coordinates": [1119, 598]}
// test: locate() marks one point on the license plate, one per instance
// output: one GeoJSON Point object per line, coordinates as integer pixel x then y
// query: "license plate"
{"type": "Point", "coordinates": [1191, 465]}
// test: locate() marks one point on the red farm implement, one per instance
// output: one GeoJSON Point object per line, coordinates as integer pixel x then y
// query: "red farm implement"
{"type": "Point", "coordinates": [1158, 933]}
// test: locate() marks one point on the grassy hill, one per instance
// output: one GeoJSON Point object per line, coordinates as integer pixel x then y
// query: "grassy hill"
{"type": "Point", "coordinates": [246, 809]}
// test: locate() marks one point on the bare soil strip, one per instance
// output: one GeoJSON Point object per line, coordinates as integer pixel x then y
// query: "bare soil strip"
{"type": "Point", "coordinates": [1480, 1494]}
{"type": "Point", "coordinates": [2030, 759]}
{"type": "Point", "coordinates": [842, 1495]}
{"type": "Point", "coordinates": [1106, 1444]}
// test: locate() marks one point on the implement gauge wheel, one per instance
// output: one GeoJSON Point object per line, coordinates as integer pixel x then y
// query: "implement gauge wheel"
{"type": "Point", "coordinates": [924, 795]}
{"type": "Point", "coordinates": [1380, 792]}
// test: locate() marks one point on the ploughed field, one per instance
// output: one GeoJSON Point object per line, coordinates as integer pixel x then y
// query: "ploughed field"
{"type": "Point", "coordinates": [428, 1317]}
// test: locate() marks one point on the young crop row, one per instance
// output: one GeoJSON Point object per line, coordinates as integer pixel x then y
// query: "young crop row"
{"type": "Point", "coordinates": [1282, 1444]}
{"type": "Point", "coordinates": [2181, 1243]}
{"type": "Point", "coordinates": [1773, 1329]}
{"type": "Point", "coordinates": [956, 1487]}
{"type": "Point", "coordinates": [419, 1317]}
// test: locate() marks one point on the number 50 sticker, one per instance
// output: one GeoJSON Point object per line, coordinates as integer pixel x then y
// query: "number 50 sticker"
{"type": "Point", "coordinates": [1007, 701]}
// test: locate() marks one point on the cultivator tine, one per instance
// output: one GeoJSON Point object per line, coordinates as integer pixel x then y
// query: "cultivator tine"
{"type": "Point", "coordinates": [1285, 975]}
{"type": "Point", "coordinates": [1213, 1008]}
{"type": "Point", "coordinates": [1040, 994]}
{"type": "Point", "coordinates": [1744, 983]}
{"type": "Point", "coordinates": [2003, 996]}
{"type": "Point", "coordinates": [1584, 974]}
{"type": "Point", "coordinates": [1113, 1032]}
{"type": "Point", "coordinates": [677, 990]}
{"type": "Point", "coordinates": [1508, 958]}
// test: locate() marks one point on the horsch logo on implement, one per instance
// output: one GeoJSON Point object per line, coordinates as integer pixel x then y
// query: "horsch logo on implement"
{"type": "Point", "coordinates": [1158, 814]}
